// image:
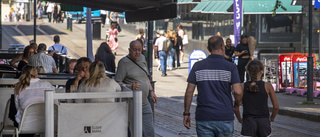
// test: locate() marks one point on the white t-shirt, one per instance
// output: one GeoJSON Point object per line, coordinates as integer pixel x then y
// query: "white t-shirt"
{"type": "Point", "coordinates": [50, 7]}
{"type": "Point", "coordinates": [159, 42]}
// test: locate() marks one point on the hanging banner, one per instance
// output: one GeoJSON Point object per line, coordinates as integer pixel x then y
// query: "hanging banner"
{"type": "Point", "coordinates": [237, 15]}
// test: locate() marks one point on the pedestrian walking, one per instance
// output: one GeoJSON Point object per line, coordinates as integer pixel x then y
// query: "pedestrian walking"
{"type": "Point", "coordinates": [229, 50]}
{"type": "Point", "coordinates": [171, 54]}
{"type": "Point", "coordinates": [256, 118]}
{"type": "Point", "coordinates": [132, 71]}
{"type": "Point", "coordinates": [243, 53]}
{"type": "Point", "coordinates": [103, 15]}
{"type": "Point", "coordinates": [112, 38]}
{"type": "Point", "coordinates": [213, 78]}
{"type": "Point", "coordinates": [49, 10]}
{"type": "Point", "coordinates": [162, 54]}
{"type": "Point", "coordinates": [181, 33]}
{"type": "Point", "coordinates": [40, 9]}
{"type": "Point", "coordinates": [58, 47]}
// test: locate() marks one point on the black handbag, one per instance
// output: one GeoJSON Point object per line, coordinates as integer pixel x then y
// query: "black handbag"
{"type": "Point", "coordinates": [116, 39]}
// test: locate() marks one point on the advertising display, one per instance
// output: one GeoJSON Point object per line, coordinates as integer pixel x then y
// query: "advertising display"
{"type": "Point", "coordinates": [292, 68]}
{"type": "Point", "coordinates": [300, 70]}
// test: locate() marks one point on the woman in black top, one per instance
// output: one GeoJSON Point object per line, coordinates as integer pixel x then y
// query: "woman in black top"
{"type": "Point", "coordinates": [27, 52]}
{"type": "Point", "coordinates": [104, 54]}
{"type": "Point", "coordinates": [242, 50]}
{"type": "Point", "coordinates": [256, 117]}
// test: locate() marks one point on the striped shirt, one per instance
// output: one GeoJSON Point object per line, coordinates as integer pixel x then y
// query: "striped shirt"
{"type": "Point", "coordinates": [213, 77]}
{"type": "Point", "coordinates": [41, 59]}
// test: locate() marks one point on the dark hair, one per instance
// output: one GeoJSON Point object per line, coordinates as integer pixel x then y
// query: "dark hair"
{"type": "Point", "coordinates": [228, 39]}
{"type": "Point", "coordinates": [71, 61]}
{"type": "Point", "coordinates": [26, 51]}
{"type": "Point", "coordinates": [34, 45]}
{"type": "Point", "coordinates": [56, 39]}
{"type": "Point", "coordinates": [214, 43]}
{"type": "Point", "coordinates": [242, 37]}
{"type": "Point", "coordinates": [42, 47]}
{"type": "Point", "coordinates": [80, 60]}
{"type": "Point", "coordinates": [141, 31]}
{"type": "Point", "coordinates": [253, 68]}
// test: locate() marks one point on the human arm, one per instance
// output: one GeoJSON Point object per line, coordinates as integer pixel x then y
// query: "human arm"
{"type": "Point", "coordinates": [274, 101]}
{"type": "Point", "coordinates": [237, 105]}
{"type": "Point", "coordinates": [152, 93]}
{"type": "Point", "coordinates": [15, 60]}
{"type": "Point", "coordinates": [237, 112]}
{"type": "Point", "coordinates": [187, 103]}
{"type": "Point", "coordinates": [111, 17]}
{"type": "Point", "coordinates": [54, 70]}
{"type": "Point", "coordinates": [236, 53]}
{"type": "Point", "coordinates": [238, 93]}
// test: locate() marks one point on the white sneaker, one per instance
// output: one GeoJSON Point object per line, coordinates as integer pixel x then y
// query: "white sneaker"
{"type": "Point", "coordinates": [181, 62]}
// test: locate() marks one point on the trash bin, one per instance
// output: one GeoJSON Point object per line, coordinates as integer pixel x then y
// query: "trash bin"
{"type": "Point", "coordinates": [69, 22]}
{"type": "Point", "coordinates": [96, 30]}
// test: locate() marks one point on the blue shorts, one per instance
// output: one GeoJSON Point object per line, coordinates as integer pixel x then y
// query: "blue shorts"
{"type": "Point", "coordinates": [214, 128]}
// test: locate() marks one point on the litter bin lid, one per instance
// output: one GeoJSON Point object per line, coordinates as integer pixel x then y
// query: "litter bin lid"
{"type": "Point", "coordinates": [197, 54]}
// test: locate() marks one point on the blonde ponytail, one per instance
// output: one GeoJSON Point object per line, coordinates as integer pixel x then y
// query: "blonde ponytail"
{"type": "Point", "coordinates": [28, 72]}
{"type": "Point", "coordinates": [97, 72]}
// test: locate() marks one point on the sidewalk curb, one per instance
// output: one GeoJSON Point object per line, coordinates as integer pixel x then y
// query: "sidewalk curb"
{"type": "Point", "coordinates": [298, 114]}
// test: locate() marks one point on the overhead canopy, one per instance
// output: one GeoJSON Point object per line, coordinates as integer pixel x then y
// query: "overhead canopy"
{"type": "Point", "coordinates": [134, 8]}
{"type": "Point", "coordinates": [200, 6]}
{"type": "Point", "coordinates": [187, 2]}
{"type": "Point", "coordinates": [301, 2]}
{"type": "Point", "coordinates": [266, 7]}
{"type": "Point", "coordinates": [217, 7]}
{"type": "Point", "coordinates": [249, 7]}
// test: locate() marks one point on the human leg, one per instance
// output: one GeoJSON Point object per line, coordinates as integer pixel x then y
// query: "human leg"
{"type": "Point", "coordinates": [163, 61]}
{"type": "Point", "coordinates": [178, 56]}
{"type": "Point", "coordinates": [147, 121]}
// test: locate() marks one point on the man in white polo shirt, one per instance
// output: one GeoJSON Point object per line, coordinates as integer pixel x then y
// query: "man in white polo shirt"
{"type": "Point", "coordinates": [162, 54]}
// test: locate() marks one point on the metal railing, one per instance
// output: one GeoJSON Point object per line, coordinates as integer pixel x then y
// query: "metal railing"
{"type": "Point", "coordinates": [50, 96]}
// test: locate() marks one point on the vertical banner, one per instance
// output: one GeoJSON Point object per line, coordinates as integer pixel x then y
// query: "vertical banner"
{"type": "Point", "coordinates": [237, 11]}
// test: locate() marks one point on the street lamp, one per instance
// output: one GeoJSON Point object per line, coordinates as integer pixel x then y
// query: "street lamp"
{"type": "Point", "coordinates": [310, 59]}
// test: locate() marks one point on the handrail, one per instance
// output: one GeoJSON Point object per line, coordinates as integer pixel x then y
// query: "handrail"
{"type": "Point", "coordinates": [50, 96]}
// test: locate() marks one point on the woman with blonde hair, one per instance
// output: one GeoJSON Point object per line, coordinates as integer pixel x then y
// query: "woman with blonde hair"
{"type": "Point", "coordinates": [171, 58]}
{"type": "Point", "coordinates": [98, 82]}
{"type": "Point", "coordinates": [29, 89]}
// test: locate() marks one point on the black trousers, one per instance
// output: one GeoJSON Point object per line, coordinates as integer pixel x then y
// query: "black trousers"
{"type": "Point", "coordinates": [242, 62]}
{"type": "Point", "coordinates": [49, 16]}
{"type": "Point", "coordinates": [176, 59]}
{"type": "Point", "coordinates": [103, 19]}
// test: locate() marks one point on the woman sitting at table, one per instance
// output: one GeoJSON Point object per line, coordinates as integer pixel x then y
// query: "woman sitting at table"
{"type": "Point", "coordinates": [98, 82]}
{"type": "Point", "coordinates": [27, 52]}
{"type": "Point", "coordinates": [29, 89]}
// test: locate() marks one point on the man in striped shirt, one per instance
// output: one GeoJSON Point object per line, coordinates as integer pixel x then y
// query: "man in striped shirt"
{"type": "Point", "coordinates": [41, 59]}
{"type": "Point", "coordinates": [213, 77]}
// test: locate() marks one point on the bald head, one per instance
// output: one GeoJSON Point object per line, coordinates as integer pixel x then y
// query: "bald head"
{"type": "Point", "coordinates": [215, 43]}
{"type": "Point", "coordinates": [135, 50]}
{"type": "Point", "coordinates": [133, 43]}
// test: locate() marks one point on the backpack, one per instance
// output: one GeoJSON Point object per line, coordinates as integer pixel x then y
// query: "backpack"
{"type": "Point", "coordinates": [167, 45]}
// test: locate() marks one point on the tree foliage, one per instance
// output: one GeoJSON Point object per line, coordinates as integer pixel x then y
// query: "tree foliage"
{"type": "Point", "coordinates": [277, 6]}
